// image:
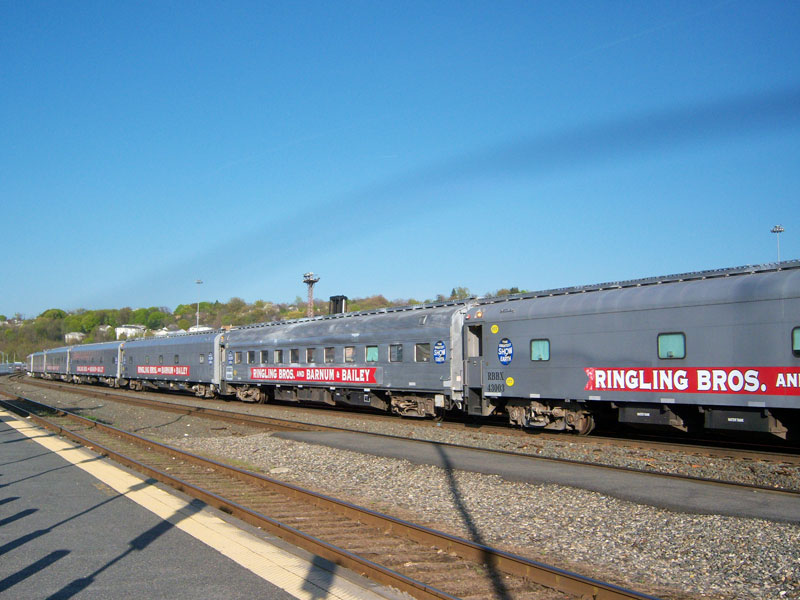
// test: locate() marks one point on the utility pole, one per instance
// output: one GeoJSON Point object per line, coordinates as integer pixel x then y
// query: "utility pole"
{"type": "Point", "coordinates": [199, 282]}
{"type": "Point", "coordinates": [310, 279]}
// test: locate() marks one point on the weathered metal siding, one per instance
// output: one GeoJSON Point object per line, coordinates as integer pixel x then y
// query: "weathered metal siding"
{"type": "Point", "coordinates": [95, 360]}
{"type": "Point", "coordinates": [141, 358]}
{"type": "Point", "coordinates": [37, 362]}
{"type": "Point", "coordinates": [56, 361]}
{"type": "Point", "coordinates": [407, 327]}
{"type": "Point", "coordinates": [737, 321]}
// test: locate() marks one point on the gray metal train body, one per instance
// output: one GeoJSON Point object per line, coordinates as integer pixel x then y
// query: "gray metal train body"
{"type": "Point", "coordinates": [90, 363]}
{"type": "Point", "coordinates": [715, 349]}
{"type": "Point", "coordinates": [95, 362]}
{"type": "Point", "coordinates": [183, 362]}
{"type": "Point", "coordinates": [50, 364]}
{"type": "Point", "coordinates": [179, 362]}
{"type": "Point", "coordinates": [721, 347]}
{"type": "Point", "coordinates": [406, 360]}
{"type": "Point", "coordinates": [11, 367]}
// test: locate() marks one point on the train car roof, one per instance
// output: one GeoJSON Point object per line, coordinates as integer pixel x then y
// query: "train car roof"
{"type": "Point", "coordinates": [407, 313]}
{"type": "Point", "coordinates": [179, 339]}
{"type": "Point", "coordinates": [406, 318]}
{"type": "Point", "coordinates": [97, 346]}
{"type": "Point", "coordinates": [758, 282]}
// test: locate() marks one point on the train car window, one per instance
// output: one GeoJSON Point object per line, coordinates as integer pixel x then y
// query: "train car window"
{"type": "Point", "coordinates": [372, 354]}
{"type": "Point", "coordinates": [474, 341]}
{"type": "Point", "coordinates": [671, 345]}
{"type": "Point", "coordinates": [540, 349]}
{"type": "Point", "coordinates": [330, 353]}
{"type": "Point", "coordinates": [237, 358]}
{"type": "Point", "coordinates": [202, 358]}
{"type": "Point", "coordinates": [422, 352]}
{"type": "Point", "coordinates": [294, 355]}
{"type": "Point", "coordinates": [396, 353]}
{"type": "Point", "coordinates": [264, 357]}
{"type": "Point", "coordinates": [796, 341]}
{"type": "Point", "coordinates": [177, 359]}
{"type": "Point", "coordinates": [278, 357]}
{"type": "Point", "coordinates": [349, 354]}
{"type": "Point", "coordinates": [310, 355]}
{"type": "Point", "coordinates": [251, 357]}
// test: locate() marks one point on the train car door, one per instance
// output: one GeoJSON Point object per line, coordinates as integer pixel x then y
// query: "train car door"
{"type": "Point", "coordinates": [120, 361]}
{"type": "Point", "coordinates": [217, 355]}
{"type": "Point", "coordinates": [473, 369]}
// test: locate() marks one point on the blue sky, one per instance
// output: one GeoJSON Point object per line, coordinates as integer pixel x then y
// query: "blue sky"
{"type": "Point", "coordinates": [401, 148]}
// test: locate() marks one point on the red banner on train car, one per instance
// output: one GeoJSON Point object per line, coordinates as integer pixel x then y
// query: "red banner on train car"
{"type": "Point", "coordinates": [179, 370]}
{"type": "Point", "coordinates": [310, 375]}
{"type": "Point", "coordinates": [90, 369]}
{"type": "Point", "coordinates": [778, 381]}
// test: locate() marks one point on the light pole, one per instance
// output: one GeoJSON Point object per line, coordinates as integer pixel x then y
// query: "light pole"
{"type": "Point", "coordinates": [198, 282]}
{"type": "Point", "coordinates": [778, 230]}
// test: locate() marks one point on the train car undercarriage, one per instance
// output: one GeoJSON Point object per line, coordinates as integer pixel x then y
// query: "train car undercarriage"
{"type": "Point", "coordinates": [399, 403]}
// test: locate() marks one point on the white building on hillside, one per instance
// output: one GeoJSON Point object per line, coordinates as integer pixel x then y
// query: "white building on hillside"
{"type": "Point", "coordinates": [74, 337]}
{"type": "Point", "coordinates": [130, 331]}
{"type": "Point", "coordinates": [198, 329]}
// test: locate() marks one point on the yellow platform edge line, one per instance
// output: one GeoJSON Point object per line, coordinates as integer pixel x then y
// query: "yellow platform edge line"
{"type": "Point", "coordinates": [291, 573]}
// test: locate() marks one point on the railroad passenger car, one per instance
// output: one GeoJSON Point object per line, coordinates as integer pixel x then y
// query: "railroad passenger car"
{"type": "Point", "coordinates": [35, 364]}
{"type": "Point", "coordinates": [718, 349]}
{"type": "Point", "coordinates": [407, 361]}
{"type": "Point", "coordinates": [176, 362]}
{"type": "Point", "coordinates": [714, 349]}
{"type": "Point", "coordinates": [91, 363]}
{"type": "Point", "coordinates": [50, 364]}
{"type": "Point", "coordinates": [12, 367]}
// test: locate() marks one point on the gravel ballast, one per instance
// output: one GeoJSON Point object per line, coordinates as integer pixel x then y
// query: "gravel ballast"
{"type": "Point", "coordinates": [670, 554]}
{"type": "Point", "coordinates": [633, 545]}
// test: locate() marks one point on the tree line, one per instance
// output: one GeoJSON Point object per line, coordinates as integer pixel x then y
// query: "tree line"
{"type": "Point", "coordinates": [20, 336]}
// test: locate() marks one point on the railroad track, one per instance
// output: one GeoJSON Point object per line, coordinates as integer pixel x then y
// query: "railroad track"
{"type": "Point", "coordinates": [722, 447]}
{"type": "Point", "coordinates": [420, 561]}
{"type": "Point", "coordinates": [277, 424]}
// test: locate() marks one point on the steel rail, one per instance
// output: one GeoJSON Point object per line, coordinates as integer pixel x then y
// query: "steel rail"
{"type": "Point", "coordinates": [541, 573]}
{"type": "Point", "coordinates": [285, 424]}
{"type": "Point", "coordinates": [637, 440]}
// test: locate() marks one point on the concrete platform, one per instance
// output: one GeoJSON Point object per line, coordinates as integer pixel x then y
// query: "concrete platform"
{"type": "Point", "coordinates": [75, 525]}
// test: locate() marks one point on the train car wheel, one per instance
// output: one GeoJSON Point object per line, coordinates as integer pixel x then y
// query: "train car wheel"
{"type": "Point", "coordinates": [585, 425]}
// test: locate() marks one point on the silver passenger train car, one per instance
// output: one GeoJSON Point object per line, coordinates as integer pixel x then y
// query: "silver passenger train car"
{"type": "Point", "coordinates": [181, 362]}
{"type": "Point", "coordinates": [714, 349]}
{"type": "Point", "coordinates": [407, 361]}
{"type": "Point", "coordinates": [717, 349]}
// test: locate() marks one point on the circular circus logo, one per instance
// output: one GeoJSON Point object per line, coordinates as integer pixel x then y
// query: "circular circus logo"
{"type": "Point", "coordinates": [505, 351]}
{"type": "Point", "coordinates": [439, 352]}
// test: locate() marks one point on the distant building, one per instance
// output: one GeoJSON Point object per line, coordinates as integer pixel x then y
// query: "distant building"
{"type": "Point", "coordinates": [168, 330]}
{"type": "Point", "coordinates": [130, 331]}
{"type": "Point", "coordinates": [74, 337]}
{"type": "Point", "coordinates": [199, 328]}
